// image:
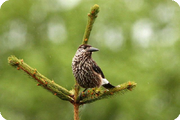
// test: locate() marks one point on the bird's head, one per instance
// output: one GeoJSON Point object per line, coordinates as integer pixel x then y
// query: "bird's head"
{"type": "Point", "coordinates": [86, 49]}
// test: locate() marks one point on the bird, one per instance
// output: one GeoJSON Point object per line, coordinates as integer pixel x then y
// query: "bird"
{"type": "Point", "coordinates": [86, 71]}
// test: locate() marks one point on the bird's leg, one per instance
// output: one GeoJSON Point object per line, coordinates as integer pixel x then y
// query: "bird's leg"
{"type": "Point", "coordinates": [85, 89]}
{"type": "Point", "coordinates": [80, 96]}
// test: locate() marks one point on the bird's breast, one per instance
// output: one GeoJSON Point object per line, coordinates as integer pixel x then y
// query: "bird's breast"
{"type": "Point", "coordinates": [84, 73]}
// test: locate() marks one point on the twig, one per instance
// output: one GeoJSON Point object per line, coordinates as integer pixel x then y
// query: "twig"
{"type": "Point", "coordinates": [76, 102]}
{"type": "Point", "coordinates": [98, 94]}
{"type": "Point", "coordinates": [76, 111]}
{"type": "Point", "coordinates": [48, 84]}
{"type": "Point", "coordinates": [91, 18]}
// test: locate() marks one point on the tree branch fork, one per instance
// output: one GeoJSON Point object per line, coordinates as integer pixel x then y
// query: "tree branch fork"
{"type": "Point", "coordinates": [89, 96]}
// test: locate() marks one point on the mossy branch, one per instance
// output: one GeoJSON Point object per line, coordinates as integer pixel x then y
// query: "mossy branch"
{"type": "Point", "coordinates": [98, 94]}
{"type": "Point", "coordinates": [48, 84]}
{"type": "Point", "coordinates": [91, 18]}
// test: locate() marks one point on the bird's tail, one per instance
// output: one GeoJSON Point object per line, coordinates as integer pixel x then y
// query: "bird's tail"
{"type": "Point", "coordinates": [108, 86]}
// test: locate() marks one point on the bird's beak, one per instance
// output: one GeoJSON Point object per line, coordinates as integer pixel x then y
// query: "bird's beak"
{"type": "Point", "coordinates": [92, 49]}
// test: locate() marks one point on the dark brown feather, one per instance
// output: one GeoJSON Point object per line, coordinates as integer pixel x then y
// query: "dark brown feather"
{"type": "Point", "coordinates": [97, 69]}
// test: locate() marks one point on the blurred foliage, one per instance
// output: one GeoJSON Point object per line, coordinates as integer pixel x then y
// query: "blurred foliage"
{"type": "Point", "coordinates": [138, 40]}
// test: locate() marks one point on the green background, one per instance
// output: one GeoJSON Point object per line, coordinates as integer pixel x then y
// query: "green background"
{"type": "Point", "coordinates": [138, 40]}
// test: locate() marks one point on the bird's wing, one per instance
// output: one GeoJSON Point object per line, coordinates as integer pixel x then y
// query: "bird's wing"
{"type": "Point", "coordinates": [97, 69]}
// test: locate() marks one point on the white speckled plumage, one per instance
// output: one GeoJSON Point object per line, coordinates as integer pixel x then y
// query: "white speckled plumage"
{"type": "Point", "coordinates": [85, 70]}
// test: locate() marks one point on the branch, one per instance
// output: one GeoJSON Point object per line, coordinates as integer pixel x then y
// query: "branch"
{"type": "Point", "coordinates": [48, 84]}
{"type": "Point", "coordinates": [98, 94]}
{"type": "Point", "coordinates": [76, 101]}
{"type": "Point", "coordinates": [91, 18]}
